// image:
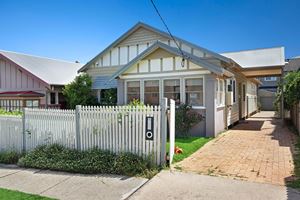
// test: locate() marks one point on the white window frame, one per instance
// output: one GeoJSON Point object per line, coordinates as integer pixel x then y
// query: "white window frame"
{"type": "Point", "coordinates": [125, 89]}
{"type": "Point", "coordinates": [272, 78]}
{"type": "Point", "coordinates": [159, 89]}
{"type": "Point", "coordinates": [220, 102]}
{"type": "Point", "coordinates": [195, 77]}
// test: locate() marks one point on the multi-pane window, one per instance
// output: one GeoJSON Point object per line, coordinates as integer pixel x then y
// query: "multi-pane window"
{"type": "Point", "coordinates": [32, 103]}
{"type": "Point", "coordinates": [220, 92]}
{"type": "Point", "coordinates": [194, 91]}
{"type": "Point", "coordinates": [151, 92]}
{"type": "Point", "coordinates": [133, 90]}
{"type": "Point", "coordinates": [172, 89]}
{"type": "Point", "coordinates": [271, 78]}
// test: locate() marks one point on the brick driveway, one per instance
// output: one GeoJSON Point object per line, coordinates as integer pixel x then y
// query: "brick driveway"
{"type": "Point", "coordinates": [258, 149]}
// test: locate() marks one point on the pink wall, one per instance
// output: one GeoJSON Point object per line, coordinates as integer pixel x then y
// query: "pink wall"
{"type": "Point", "coordinates": [14, 78]}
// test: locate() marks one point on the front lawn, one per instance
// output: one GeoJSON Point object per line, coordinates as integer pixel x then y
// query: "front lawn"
{"type": "Point", "coordinates": [189, 145]}
{"type": "Point", "coordinates": [15, 195]}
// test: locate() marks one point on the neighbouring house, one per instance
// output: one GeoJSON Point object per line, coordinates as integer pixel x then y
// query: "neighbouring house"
{"type": "Point", "coordinates": [145, 64]}
{"type": "Point", "coordinates": [32, 81]}
{"type": "Point", "coordinates": [292, 64]}
{"type": "Point", "coordinates": [260, 59]}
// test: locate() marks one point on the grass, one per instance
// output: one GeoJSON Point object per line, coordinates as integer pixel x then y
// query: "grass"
{"type": "Point", "coordinates": [16, 195]}
{"type": "Point", "coordinates": [189, 145]}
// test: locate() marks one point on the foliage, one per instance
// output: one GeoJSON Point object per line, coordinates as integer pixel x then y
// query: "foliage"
{"type": "Point", "coordinates": [109, 97]}
{"type": "Point", "coordinates": [291, 92]}
{"type": "Point", "coordinates": [9, 157]}
{"type": "Point", "coordinates": [16, 195]}
{"type": "Point", "coordinates": [79, 92]}
{"type": "Point", "coordinates": [189, 145]}
{"type": "Point", "coordinates": [57, 157]}
{"type": "Point", "coordinates": [295, 183]}
{"type": "Point", "coordinates": [185, 119]}
{"type": "Point", "coordinates": [4, 112]}
{"type": "Point", "coordinates": [136, 103]}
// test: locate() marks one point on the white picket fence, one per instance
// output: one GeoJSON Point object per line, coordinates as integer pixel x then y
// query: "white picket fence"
{"type": "Point", "coordinates": [11, 133]}
{"type": "Point", "coordinates": [114, 128]}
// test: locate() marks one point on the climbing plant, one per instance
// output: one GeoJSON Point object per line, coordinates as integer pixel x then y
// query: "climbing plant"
{"type": "Point", "coordinates": [290, 89]}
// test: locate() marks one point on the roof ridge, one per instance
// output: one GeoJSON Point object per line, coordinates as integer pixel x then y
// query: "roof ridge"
{"type": "Point", "coordinates": [43, 57]}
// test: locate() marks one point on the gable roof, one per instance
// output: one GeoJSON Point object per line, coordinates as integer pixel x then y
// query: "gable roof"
{"type": "Point", "coordinates": [158, 44]}
{"type": "Point", "coordinates": [51, 71]}
{"type": "Point", "coordinates": [146, 26]}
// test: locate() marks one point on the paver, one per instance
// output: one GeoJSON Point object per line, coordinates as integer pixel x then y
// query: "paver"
{"type": "Point", "coordinates": [259, 149]}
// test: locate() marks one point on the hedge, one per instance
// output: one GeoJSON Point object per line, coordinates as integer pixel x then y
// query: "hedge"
{"type": "Point", "coordinates": [93, 161]}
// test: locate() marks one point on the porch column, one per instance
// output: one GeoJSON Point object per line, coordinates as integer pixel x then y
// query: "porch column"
{"type": "Point", "coordinates": [210, 105]}
{"type": "Point", "coordinates": [56, 98]}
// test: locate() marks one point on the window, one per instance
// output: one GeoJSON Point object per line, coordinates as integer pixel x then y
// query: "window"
{"type": "Point", "coordinates": [151, 92]}
{"type": "Point", "coordinates": [220, 93]}
{"type": "Point", "coordinates": [172, 89]}
{"type": "Point", "coordinates": [244, 92]}
{"type": "Point", "coordinates": [270, 78]}
{"type": "Point", "coordinates": [52, 98]}
{"type": "Point", "coordinates": [194, 91]}
{"type": "Point", "coordinates": [234, 91]}
{"type": "Point", "coordinates": [133, 90]}
{"type": "Point", "coordinates": [32, 103]}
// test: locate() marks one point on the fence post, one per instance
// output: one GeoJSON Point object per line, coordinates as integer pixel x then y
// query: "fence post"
{"type": "Point", "coordinates": [77, 124]}
{"type": "Point", "coordinates": [164, 108]}
{"type": "Point", "coordinates": [172, 130]}
{"type": "Point", "coordinates": [24, 130]}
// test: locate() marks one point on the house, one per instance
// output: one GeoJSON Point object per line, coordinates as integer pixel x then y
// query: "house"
{"type": "Point", "coordinates": [145, 63]}
{"type": "Point", "coordinates": [292, 64]}
{"type": "Point", "coordinates": [260, 59]}
{"type": "Point", "coordinates": [32, 81]}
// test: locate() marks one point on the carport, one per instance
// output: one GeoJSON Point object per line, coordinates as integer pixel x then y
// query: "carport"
{"type": "Point", "coordinates": [258, 63]}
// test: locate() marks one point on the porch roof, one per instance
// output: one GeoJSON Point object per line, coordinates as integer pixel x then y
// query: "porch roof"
{"type": "Point", "coordinates": [21, 94]}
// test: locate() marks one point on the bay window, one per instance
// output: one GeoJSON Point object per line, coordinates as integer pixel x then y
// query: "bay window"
{"type": "Point", "coordinates": [194, 91]}
{"type": "Point", "coordinates": [133, 90]}
{"type": "Point", "coordinates": [172, 89]}
{"type": "Point", "coordinates": [151, 92]}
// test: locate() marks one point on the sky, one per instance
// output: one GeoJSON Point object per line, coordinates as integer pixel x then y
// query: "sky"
{"type": "Point", "coordinates": [80, 29]}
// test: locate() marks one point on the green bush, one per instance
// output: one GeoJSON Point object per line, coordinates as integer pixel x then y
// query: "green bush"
{"type": "Point", "coordinates": [185, 119]}
{"type": "Point", "coordinates": [57, 157]}
{"type": "Point", "coordinates": [9, 157]}
{"type": "Point", "coordinates": [4, 112]}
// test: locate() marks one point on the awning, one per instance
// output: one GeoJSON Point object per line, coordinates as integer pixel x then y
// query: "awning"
{"type": "Point", "coordinates": [21, 94]}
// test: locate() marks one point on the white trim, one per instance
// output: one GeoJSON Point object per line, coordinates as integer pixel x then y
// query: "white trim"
{"type": "Point", "coordinates": [159, 74]}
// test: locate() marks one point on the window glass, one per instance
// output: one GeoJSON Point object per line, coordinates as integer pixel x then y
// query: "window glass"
{"type": "Point", "coordinates": [233, 90]}
{"type": "Point", "coordinates": [220, 92]}
{"type": "Point", "coordinates": [151, 92]}
{"type": "Point", "coordinates": [172, 90]}
{"type": "Point", "coordinates": [133, 90]}
{"type": "Point", "coordinates": [194, 91]}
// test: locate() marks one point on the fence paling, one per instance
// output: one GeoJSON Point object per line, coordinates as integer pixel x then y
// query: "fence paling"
{"type": "Point", "coordinates": [114, 128]}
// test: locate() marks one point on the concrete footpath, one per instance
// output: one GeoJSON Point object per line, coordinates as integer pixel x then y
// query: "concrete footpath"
{"type": "Point", "coordinates": [68, 186]}
{"type": "Point", "coordinates": [179, 185]}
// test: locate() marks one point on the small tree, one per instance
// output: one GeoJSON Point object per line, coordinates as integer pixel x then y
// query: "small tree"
{"type": "Point", "coordinates": [79, 92]}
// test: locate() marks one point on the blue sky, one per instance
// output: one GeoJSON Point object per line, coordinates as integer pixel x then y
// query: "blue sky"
{"type": "Point", "coordinates": [80, 29]}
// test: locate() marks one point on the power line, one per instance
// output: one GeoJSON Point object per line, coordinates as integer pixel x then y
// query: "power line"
{"type": "Point", "coordinates": [163, 21]}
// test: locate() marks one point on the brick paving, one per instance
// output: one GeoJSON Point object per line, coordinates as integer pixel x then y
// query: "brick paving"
{"type": "Point", "coordinates": [258, 149]}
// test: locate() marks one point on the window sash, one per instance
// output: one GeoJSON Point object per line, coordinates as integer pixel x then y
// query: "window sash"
{"type": "Point", "coordinates": [194, 91]}
{"type": "Point", "coordinates": [133, 90]}
{"type": "Point", "coordinates": [172, 89]}
{"type": "Point", "coordinates": [151, 92]}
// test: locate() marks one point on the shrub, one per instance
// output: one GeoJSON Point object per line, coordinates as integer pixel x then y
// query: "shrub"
{"type": "Point", "coordinates": [185, 119]}
{"type": "Point", "coordinates": [4, 112]}
{"type": "Point", "coordinates": [57, 157]}
{"type": "Point", "coordinates": [9, 157]}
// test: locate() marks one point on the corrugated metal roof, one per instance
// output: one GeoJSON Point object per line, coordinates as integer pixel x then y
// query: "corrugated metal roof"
{"type": "Point", "coordinates": [258, 57]}
{"type": "Point", "coordinates": [53, 72]}
{"type": "Point", "coordinates": [104, 82]}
